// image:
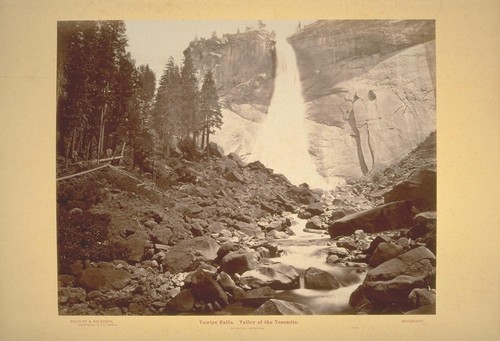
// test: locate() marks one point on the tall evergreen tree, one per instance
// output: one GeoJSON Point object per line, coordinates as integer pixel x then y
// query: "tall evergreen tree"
{"type": "Point", "coordinates": [168, 105]}
{"type": "Point", "coordinates": [95, 85]}
{"type": "Point", "coordinates": [209, 107]}
{"type": "Point", "coordinates": [189, 95]}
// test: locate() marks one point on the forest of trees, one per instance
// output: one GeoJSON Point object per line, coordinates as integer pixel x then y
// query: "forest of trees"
{"type": "Point", "coordinates": [104, 100]}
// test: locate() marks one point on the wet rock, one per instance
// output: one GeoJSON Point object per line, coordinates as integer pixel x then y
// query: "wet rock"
{"type": "Point", "coordinates": [238, 262]}
{"type": "Point", "coordinates": [384, 252]}
{"type": "Point", "coordinates": [373, 245]}
{"type": "Point", "coordinates": [276, 235]}
{"type": "Point", "coordinates": [280, 307]}
{"type": "Point", "coordinates": [314, 223]}
{"type": "Point", "coordinates": [97, 278]}
{"type": "Point", "coordinates": [390, 216]}
{"type": "Point", "coordinates": [278, 276]}
{"type": "Point", "coordinates": [257, 297]}
{"type": "Point", "coordinates": [424, 229]}
{"type": "Point", "coordinates": [182, 303]}
{"type": "Point", "coordinates": [315, 278]}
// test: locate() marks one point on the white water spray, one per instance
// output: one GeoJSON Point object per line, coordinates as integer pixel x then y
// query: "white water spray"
{"type": "Point", "coordinates": [282, 141]}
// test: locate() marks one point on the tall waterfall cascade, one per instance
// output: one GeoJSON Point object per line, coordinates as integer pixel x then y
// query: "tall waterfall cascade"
{"type": "Point", "coordinates": [282, 140]}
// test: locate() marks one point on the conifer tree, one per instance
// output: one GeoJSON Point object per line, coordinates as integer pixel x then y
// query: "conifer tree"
{"type": "Point", "coordinates": [189, 97]}
{"type": "Point", "coordinates": [210, 108]}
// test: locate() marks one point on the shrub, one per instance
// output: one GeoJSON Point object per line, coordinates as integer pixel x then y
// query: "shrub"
{"type": "Point", "coordinates": [83, 236]}
{"type": "Point", "coordinates": [78, 193]}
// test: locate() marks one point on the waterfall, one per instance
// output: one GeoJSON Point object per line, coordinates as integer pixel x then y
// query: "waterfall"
{"type": "Point", "coordinates": [282, 142]}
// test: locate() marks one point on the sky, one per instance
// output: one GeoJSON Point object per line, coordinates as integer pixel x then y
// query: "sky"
{"type": "Point", "coordinates": [153, 42]}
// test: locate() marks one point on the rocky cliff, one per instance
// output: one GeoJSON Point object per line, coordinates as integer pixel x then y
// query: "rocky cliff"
{"type": "Point", "coordinates": [243, 67]}
{"type": "Point", "coordinates": [369, 88]}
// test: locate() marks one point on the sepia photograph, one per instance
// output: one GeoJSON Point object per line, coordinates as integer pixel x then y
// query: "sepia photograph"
{"type": "Point", "coordinates": [249, 170]}
{"type": "Point", "coordinates": [281, 167]}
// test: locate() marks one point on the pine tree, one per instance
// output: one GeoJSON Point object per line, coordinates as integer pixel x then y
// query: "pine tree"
{"type": "Point", "coordinates": [95, 85]}
{"type": "Point", "coordinates": [210, 108]}
{"type": "Point", "coordinates": [167, 107]}
{"type": "Point", "coordinates": [189, 96]}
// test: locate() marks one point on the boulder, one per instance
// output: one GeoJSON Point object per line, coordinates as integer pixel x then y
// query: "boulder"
{"type": "Point", "coordinates": [234, 175]}
{"type": "Point", "coordinates": [314, 223]}
{"type": "Point", "coordinates": [136, 246]}
{"type": "Point", "coordinates": [226, 282]}
{"type": "Point", "coordinates": [238, 262]}
{"type": "Point", "coordinates": [235, 157]}
{"type": "Point", "coordinates": [280, 307]}
{"type": "Point", "coordinates": [216, 227]}
{"type": "Point", "coordinates": [205, 288]}
{"type": "Point", "coordinates": [421, 297]}
{"type": "Point", "coordinates": [278, 276]}
{"type": "Point", "coordinates": [391, 283]}
{"type": "Point", "coordinates": [277, 235]}
{"type": "Point", "coordinates": [183, 302]}
{"type": "Point", "coordinates": [315, 278]}
{"type": "Point", "coordinates": [257, 297]}
{"type": "Point", "coordinates": [315, 208]}
{"type": "Point", "coordinates": [425, 229]}
{"type": "Point", "coordinates": [392, 216]}
{"type": "Point", "coordinates": [384, 252]}
{"type": "Point", "coordinates": [420, 188]}
{"type": "Point", "coordinates": [186, 255]}
{"type": "Point", "coordinates": [161, 235]}
{"type": "Point", "coordinates": [99, 278]}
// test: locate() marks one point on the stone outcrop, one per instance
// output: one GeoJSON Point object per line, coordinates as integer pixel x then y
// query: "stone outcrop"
{"type": "Point", "coordinates": [390, 284]}
{"type": "Point", "coordinates": [382, 218]}
{"type": "Point", "coordinates": [369, 87]}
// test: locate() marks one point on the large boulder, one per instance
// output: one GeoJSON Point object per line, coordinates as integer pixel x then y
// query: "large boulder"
{"type": "Point", "coordinates": [205, 288]}
{"type": "Point", "coordinates": [384, 252]}
{"type": "Point", "coordinates": [315, 278]}
{"type": "Point", "coordinates": [257, 297]}
{"type": "Point", "coordinates": [280, 307]}
{"type": "Point", "coordinates": [392, 216]}
{"type": "Point", "coordinates": [238, 262]}
{"type": "Point", "coordinates": [100, 278]}
{"type": "Point", "coordinates": [420, 188]}
{"type": "Point", "coordinates": [278, 276]}
{"type": "Point", "coordinates": [183, 302]}
{"type": "Point", "coordinates": [391, 283]}
{"type": "Point", "coordinates": [315, 208]}
{"type": "Point", "coordinates": [186, 255]}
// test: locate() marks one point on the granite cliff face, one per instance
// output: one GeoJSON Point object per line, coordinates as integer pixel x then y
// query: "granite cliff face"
{"type": "Point", "coordinates": [369, 88]}
{"type": "Point", "coordinates": [243, 67]}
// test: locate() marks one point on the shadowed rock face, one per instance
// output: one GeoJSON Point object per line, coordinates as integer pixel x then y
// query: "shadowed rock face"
{"type": "Point", "coordinates": [370, 90]}
{"type": "Point", "coordinates": [386, 217]}
{"type": "Point", "coordinates": [243, 67]}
